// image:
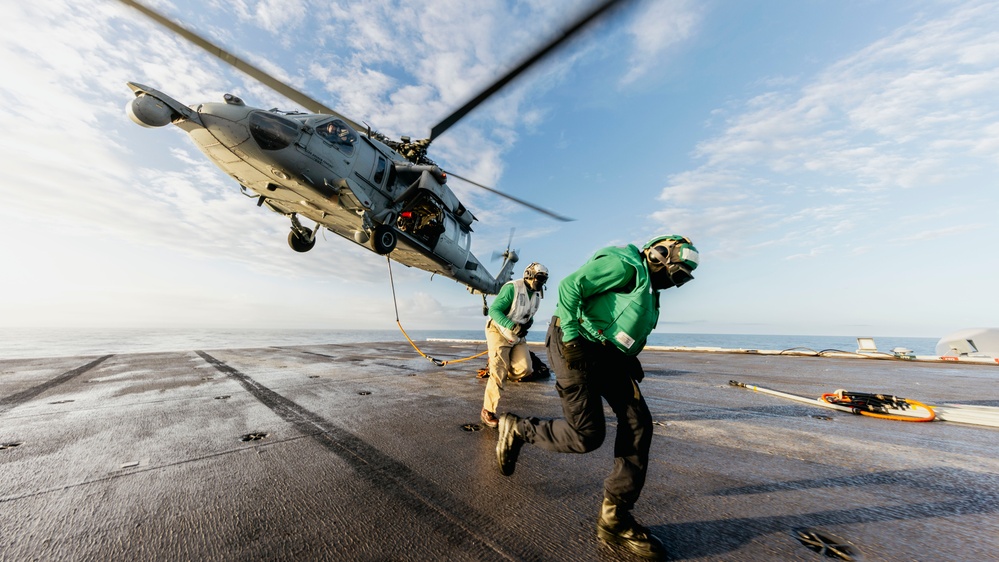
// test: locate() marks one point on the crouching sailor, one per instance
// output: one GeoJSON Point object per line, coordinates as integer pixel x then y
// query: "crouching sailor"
{"type": "Point", "coordinates": [510, 317]}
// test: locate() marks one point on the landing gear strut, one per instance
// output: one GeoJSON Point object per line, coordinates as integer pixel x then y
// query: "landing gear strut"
{"type": "Point", "coordinates": [301, 239]}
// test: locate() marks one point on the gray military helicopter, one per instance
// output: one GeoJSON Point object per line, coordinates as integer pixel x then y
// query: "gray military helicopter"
{"type": "Point", "coordinates": [384, 195]}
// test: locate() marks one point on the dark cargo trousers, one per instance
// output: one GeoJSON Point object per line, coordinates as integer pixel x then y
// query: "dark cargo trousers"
{"type": "Point", "coordinates": [607, 373]}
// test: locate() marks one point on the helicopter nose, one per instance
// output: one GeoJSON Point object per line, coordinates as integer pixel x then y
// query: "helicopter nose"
{"type": "Point", "coordinates": [229, 124]}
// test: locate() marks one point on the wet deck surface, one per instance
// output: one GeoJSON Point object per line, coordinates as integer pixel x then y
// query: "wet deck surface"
{"type": "Point", "coordinates": [365, 453]}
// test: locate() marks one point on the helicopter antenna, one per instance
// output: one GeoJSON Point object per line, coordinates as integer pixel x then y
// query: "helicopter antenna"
{"type": "Point", "coordinates": [593, 14]}
{"type": "Point", "coordinates": [225, 56]}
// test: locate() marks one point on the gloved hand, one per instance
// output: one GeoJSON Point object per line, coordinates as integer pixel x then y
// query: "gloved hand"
{"type": "Point", "coordinates": [574, 354]}
{"type": "Point", "coordinates": [520, 330]}
{"type": "Point", "coordinates": [634, 369]}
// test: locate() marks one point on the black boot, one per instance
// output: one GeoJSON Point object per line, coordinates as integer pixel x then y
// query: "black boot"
{"type": "Point", "coordinates": [617, 526]}
{"type": "Point", "coordinates": [509, 443]}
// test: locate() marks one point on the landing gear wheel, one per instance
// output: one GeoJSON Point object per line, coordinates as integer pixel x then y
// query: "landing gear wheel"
{"type": "Point", "coordinates": [384, 239]}
{"type": "Point", "coordinates": [300, 243]}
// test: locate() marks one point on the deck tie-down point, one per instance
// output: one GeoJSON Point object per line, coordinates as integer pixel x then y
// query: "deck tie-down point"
{"type": "Point", "coordinates": [826, 543]}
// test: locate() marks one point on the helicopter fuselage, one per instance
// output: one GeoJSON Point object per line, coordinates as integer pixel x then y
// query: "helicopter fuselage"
{"type": "Point", "coordinates": [319, 167]}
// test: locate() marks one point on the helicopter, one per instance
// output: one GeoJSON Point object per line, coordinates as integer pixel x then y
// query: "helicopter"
{"type": "Point", "coordinates": [385, 195]}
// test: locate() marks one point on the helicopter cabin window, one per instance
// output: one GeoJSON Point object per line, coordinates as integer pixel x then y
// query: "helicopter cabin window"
{"type": "Point", "coordinates": [338, 134]}
{"type": "Point", "coordinates": [391, 178]}
{"type": "Point", "coordinates": [379, 170]}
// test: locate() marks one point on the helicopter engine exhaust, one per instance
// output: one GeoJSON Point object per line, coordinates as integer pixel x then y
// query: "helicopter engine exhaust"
{"type": "Point", "coordinates": [149, 112]}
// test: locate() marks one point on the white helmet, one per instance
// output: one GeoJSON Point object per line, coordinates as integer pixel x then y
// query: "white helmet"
{"type": "Point", "coordinates": [536, 270]}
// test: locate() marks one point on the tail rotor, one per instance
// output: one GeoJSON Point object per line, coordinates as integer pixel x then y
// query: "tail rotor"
{"type": "Point", "coordinates": [506, 254]}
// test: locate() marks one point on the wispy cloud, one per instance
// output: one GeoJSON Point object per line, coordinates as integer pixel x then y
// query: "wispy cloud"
{"type": "Point", "coordinates": [655, 28]}
{"type": "Point", "coordinates": [913, 111]}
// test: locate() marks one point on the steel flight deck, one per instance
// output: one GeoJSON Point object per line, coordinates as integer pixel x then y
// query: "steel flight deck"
{"type": "Point", "coordinates": [370, 452]}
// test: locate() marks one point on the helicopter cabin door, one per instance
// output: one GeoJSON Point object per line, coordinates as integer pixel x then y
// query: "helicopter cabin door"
{"type": "Point", "coordinates": [349, 156]}
{"type": "Point", "coordinates": [367, 165]}
{"type": "Point", "coordinates": [454, 243]}
{"type": "Point", "coordinates": [371, 168]}
{"type": "Point", "coordinates": [335, 144]}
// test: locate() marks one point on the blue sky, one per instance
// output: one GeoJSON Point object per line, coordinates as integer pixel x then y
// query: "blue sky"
{"type": "Point", "coordinates": [834, 162]}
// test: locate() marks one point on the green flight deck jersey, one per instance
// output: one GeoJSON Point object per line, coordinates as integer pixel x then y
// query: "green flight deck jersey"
{"type": "Point", "coordinates": [610, 299]}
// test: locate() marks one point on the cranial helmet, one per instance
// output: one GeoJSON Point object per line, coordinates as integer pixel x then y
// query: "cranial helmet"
{"type": "Point", "coordinates": [675, 254]}
{"type": "Point", "coordinates": [536, 270]}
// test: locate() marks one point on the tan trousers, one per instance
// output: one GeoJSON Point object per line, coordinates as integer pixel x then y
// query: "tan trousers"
{"type": "Point", "coordinates": [506, 361]}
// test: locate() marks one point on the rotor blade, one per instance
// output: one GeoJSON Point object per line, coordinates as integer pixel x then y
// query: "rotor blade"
{"type": "Point", "coordinates": [555, 42]}
{"type": "Point", "coordinates": [241, 65]}
{"type": "Point", "coordinates": [514, 199]}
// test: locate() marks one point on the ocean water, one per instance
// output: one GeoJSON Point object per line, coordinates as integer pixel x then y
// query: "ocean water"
{"type": "Point", "coordinates": [61, 342]}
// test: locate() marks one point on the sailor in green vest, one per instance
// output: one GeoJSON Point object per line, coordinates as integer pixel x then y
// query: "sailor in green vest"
{"type": "Point", "coordinates": [606, 310]}
{"type": "Point", "coordinates": [510, 317]}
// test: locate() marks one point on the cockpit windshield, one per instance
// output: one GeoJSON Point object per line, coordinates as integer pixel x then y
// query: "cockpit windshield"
{"type": "Point", "coordinates": [272, 131]}
{"type": "Point", "coordinates": [338, 134]}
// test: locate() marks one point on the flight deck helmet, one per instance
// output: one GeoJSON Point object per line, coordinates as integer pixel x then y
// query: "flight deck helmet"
{"type": "Point", "coordinates": [536, 270]}
{"type": "Point", "coordinates": [536, 275]}
{"type": "Point", "coordinates": [675, 255]}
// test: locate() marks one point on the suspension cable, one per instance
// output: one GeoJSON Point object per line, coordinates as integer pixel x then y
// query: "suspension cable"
{"type": "Point", "coordinates": [395, 303]}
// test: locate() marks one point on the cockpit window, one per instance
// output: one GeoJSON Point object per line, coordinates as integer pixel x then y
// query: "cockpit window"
{"type": "Point", "coordinates": [272, 131]}
{"type": "Point", "coordinates": [338, 134]}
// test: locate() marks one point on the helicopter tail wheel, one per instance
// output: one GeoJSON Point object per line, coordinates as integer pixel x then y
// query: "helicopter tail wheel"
{"type": "Point", "coordinates": [300, 242]}
{"type": "Point", "coordinates": [384, 239]}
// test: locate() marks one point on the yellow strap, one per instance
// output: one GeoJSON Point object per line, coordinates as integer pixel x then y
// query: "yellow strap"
{"type": "Point", "coordinates": [930, 417]}
{"type": "Point", "coordinates": [438, 362]}
{"type": "Point", "coordinates": [841, 401]}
